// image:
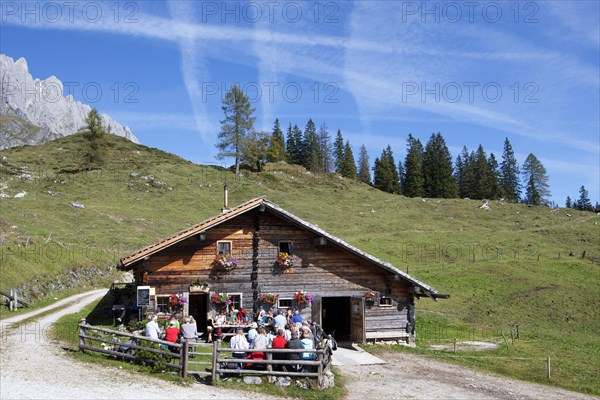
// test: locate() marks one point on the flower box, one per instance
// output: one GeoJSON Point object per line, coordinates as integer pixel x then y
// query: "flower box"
{"type": "Point", "coordinates": [285, 261]}
{"type": "Point", "coordinates": [224, 262]}
{"type": "Point", "coordinates": [199, 289]}
{"type": "Point", "coordinates": [302, 299]}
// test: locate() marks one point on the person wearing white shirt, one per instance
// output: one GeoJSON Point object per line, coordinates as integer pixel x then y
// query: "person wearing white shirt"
{"type": "Point", "coordinates": [152, 329]}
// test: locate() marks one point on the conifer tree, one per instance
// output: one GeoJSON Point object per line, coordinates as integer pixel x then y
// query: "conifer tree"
{"type": "Point", "coordinates": [291, 151]}
{"type": "Point", "coordinates": [312, 149]}
{"type": "Point", "coordinates": [401, 177]}
{"type": "Point", "coordinates": [364, 170]}
{"type": "Point", "coordinates": [276, 150]}
{"type": "Point", "coordinates": [509, 174]}
{"type": "Point", "coordinates": [348, 163]}
{"type": "Point", "coordinates": [465, 173]}
{"type": "Point", "coordinates": [584, 202]}
{"type": "Point", "coordinates": [413, 186]}
{"type": "Point", "coordinates": [532, 195]}
{"type": "Point", "coordinates": [568, 203]}
{"type": "Point", "coordinates": [438, 179]}
{"type": "Point", "coordinates": [338, 151]}
{"type": "Point", "coordinates": [534, 173]}
{"type": "Point", "coordinates": [385, 174]}
{"type": "Point", "coordinates": [238, 123]}
{"type": "Point", "coordinates": [326, 150]}
{"type": "Point", "coordinates": [95, 135]}
{"type": "Point", "coordinates": [493, 184]}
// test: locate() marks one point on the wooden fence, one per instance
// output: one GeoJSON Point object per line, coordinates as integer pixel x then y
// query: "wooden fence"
{"type": "Point", "coordinates": [216, 359]}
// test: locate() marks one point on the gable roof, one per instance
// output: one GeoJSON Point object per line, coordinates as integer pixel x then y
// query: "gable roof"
{"type": "Point", "coordinates": [255, 203]}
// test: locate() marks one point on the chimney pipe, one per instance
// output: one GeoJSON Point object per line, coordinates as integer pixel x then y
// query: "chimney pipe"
{"type": "Point", "coordinates": [225, 198]}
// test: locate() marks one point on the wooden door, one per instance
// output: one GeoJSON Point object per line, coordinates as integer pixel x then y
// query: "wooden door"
{"type": "Point", "coordinates": [317, 310]}
{"type": "Point", "coordinates": [357, 321]}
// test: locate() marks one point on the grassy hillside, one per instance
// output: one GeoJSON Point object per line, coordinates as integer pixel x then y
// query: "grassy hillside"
{"type": "Point", "coordinates": [507, 266]}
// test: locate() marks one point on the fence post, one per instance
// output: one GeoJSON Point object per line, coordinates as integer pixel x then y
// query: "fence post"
{"type": "Point", "coordinates": [320, 377]}
{"type": "Point", "coordinates": [16, 303]}
{"type": "Point", "coordinates": [215, 376]}
{"type": "Point", "coordinates": [548, 367]}
{"type": "Point", "coordinates": [184, 358]}
{"type": "Point", "coordinates": [455, 345]}
{"type": "Point", "coordinates": [270, 378]}
{"type": "Point", "coordinates": [82, 332]}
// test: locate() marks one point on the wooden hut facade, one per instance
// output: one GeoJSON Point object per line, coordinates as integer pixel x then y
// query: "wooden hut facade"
{"type": "Point", "coordinates": [335, 273]}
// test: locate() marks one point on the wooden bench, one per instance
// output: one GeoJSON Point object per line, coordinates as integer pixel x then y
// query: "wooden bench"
{"type": "Point", "coordinates": [396, 334]}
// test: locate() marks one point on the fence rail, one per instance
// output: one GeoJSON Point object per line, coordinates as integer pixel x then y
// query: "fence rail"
{"type": "Point", "coordinates": [219, 361]}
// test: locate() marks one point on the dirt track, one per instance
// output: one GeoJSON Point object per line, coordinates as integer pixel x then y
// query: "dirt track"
{"type": "Point", "coordinates": [34, 367]}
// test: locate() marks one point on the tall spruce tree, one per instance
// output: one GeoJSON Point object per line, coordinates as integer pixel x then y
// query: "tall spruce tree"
{"type": "Point", "coordinates": [509, 174]}
{"type": "Point", "coordinates": [276, 151]}
{"type": "Point", "coordinates": [584, 202]}
{"type": "Point", "coordinates": [238, 123]}
{"type": "Point", "coordinates": [568, 203]}
{"type": "Point", "coordinates": [482, 175]}
{"type": "Point", "coordinates": [532, 195]}
{"type": "Point", "coordinates": [413, 163]}
{"type": "Point", "coordinates": [348, 163]}
{"type": "Point", "coordinates": [291, 151]}
{"type": "Point", "coordinates": [364, 169]}
{"type": "Point", "coordinates": [95, 135]}
{"type": "Point", "coordinates": [326, 151]}
{"type": "Point", "coordinates": [338, 151]}
{"type": "Point", "coordinates": [311, 159]}
{"type": "Point", "coordinates": [385, 174]}
{"type": "Point", "coordinates": [493, 184]}
{"type": "Point", "coordinates": [438, 179]}
{"type": "Point", "coordinates": [465, 173]}
{"type": "Point", "coordinates": [534, 171]}
{"type": "Point", "coordinates": [401, 177]}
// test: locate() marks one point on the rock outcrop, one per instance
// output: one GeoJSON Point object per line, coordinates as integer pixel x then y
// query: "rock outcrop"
{"type": "Point", "coordinates": [34, 111]}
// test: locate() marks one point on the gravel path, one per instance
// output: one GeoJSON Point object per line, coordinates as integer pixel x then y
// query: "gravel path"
{"type": "Point", "coordinates": [34, 367]}
{"type": "Point", "coordinates": [411, 377]}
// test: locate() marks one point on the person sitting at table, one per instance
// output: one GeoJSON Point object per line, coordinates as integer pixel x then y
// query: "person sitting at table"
{"type": "Point", "coordinates": [289, 315]}
{"type": "Point", "coordinates": [231, 319]}
{"type": "Point", "coordinates": [172, 335]}
{"type": "Point", "coordinates": [175, 321]}
{"type": "Point", "coordinates": [260, 316]}
{"type": "Point", "coordinates": [188, 329]}
{"type": "Point", "coordinates": [279, 321]}
{"type": "Point", "coordinates": [209, 327]}
{"type": "Point", "coordinates": [279, 342]}
{"type": "Point", "coordinates": [252, 333]}
{"type": "Point", "coordinates": [297, 318]}
{"type": "Point", "coordinates": [221, 318]}
{"type": "Point", "coordinates": [287, 332]}
{"type": "Point", "coordinates": [260, 342]}
{"type": "Point", "coordinates": [239, 342]}
{"type": "Point", "coordinates": [308, 343]}
{"type": "Point", "coordinates": [294, 343]}
{"type": "Point", "coordinates": [152, 329]}
{"type": "Point", "coordinates": [246, 317]}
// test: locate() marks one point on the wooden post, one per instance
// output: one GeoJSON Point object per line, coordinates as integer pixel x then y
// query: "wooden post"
{"type": "Point", "coordinates": [10, 300]}
{"type": "Point", "coordinates": [82, 332]}
{"type": "Point", "coordinates": [16, 300]}
{"type": "Point", "coordinates": [320, 377]}
{"type": "Point", "coordinates": [455, 345]}
{"type": "Point", "coordinates": [517, 331]}
{"type": "Point", "coordinates": [548, 367]}
{"type": "Point", "coordinates": [215, 376]}
{"type": "Point", "coordinates": [270, 378]}
{"type": "Point", "coordinates": [184, 358]}
{"type": "Point", "coordinates": [504, 337]}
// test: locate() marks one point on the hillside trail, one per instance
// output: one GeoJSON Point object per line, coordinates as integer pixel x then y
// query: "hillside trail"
{"type": "Point", "coordinates": [36, 367]}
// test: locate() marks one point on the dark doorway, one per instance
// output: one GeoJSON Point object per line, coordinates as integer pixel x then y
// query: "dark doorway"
{"type": "Point", "coordinates": [336, 315]}
{"type": "Point", "coordinates": [197, 308]}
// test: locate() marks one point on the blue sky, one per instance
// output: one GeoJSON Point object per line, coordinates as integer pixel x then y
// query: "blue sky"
{"type": "Point", "coordinates": [475, 71]}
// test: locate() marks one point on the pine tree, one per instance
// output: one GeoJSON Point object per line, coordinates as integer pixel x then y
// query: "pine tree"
{"type": "Point", "coordinates": [584, 202]}
{"type": "Point", "coordinates": [294, 145]}
{"type": "Point", "coordinates": [364, 170]}
{"type": "Point", "coordinates": [300, 150]}
{"type": "Point", "coordinates": [532, 195]}
{"type": "Point", "coordinates": [276, 150]}
{"type": "Point", "coordinates": [509, 174]}
{"type": "Point", "coordinates": [385, 174]}
{"type": "Point", "coordinates": [312, 149]}
{"type": "Point", "coordinates": [338, 151]}
{"type": "Point", "coordinates": [348, 163]}
{"type": "Point", "coordinates": [465, 173]}
{"type": "Point", "coordinates": [413, 186]}
{"type": "Point", "coordinates": [327, 162]}
{"type": "Point", "coordinates": [568, 203]}
{"type": "Point", "coordinates": [534, 171]}
{"type": "Point", "coordinates": [238, 123]}
{"type": "Point", "coordinates": [493, 184]}
{"type": "Point", "coordinates": [438, 179]}
{"type": "Point", "coordinates": [482, 175]}
{"type": "Point", "coordinates": [95, 135]}
{"type": "Point", "coordinates": [401, 177]}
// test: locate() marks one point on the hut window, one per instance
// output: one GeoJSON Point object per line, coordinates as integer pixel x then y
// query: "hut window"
{"type": "Point", "coordinates": [236, 300]}
{"type": "Point", "coordinates": [284, 303]}
{"type": "Point", "coordinates": [285, 247]}
{"type": "Point", "coordinates": [385, 301]}
{"type": "Point", "coordinates": [223, 247]}
{"type": "Point", "coordinates": [162, 303]}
